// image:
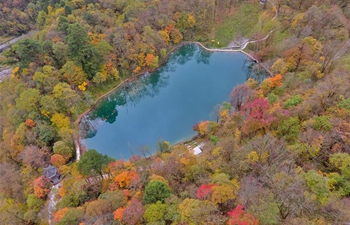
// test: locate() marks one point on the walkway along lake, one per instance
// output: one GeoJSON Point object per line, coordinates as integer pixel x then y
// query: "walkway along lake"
{"type": "Point", "coordinates": [164, 105]}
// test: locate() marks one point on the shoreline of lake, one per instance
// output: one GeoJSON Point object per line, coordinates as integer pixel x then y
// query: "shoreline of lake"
{"type": "Point", "coordinates": [77, 138]}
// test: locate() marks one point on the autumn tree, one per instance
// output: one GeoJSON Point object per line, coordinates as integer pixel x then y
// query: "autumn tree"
{"type": "Point", "coordinates": [154, 212]}
{"type": "Point", "coordinates": [63, 149]}
{"type": "Point", "coordinates": [205, 190]}
{"type": "Point", "coordinates": [132, 214]}
{"type": "Point", "coordinates": [238, 216]}
{"type": "Point", "coordinates": [41, 187]}
{"type": "Point", "coordinates": [199, 212]}
{"type": "Point", "coordinates": [28, 100]}
{"type": "Point", "coordinates": [240, 95]}
{"type": "Point", "coordinates": [98, 207]}
{"type": "Point", "coordinates": [73, 74]}
{"type": "Point", "coordinates": [34, 156]}
{"type": "Point", "coordinates": [92, 163]}
{"type": "Point", "coordinates": [258, 116]}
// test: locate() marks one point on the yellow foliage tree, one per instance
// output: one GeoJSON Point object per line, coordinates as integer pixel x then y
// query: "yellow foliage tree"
{"type": "Point", "coordinates": [221, 194]}
{"type": "Point", "coordinates": [60, 120]}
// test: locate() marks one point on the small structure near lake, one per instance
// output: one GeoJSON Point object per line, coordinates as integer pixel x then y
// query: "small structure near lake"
{"type": "Point", "coordinates": [52, 174]}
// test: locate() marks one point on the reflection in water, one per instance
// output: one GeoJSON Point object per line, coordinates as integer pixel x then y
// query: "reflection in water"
{"type": "Point", "coordinates": [189, 69]}
{"type": "Point", "coordinates": [133, 92]}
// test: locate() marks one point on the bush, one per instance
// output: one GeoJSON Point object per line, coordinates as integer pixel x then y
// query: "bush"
{"type": "Point", "coordinates": [295, 100]}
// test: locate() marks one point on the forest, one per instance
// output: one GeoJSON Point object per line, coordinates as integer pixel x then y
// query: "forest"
{"type": "Point", "coordinates": [279, 153]}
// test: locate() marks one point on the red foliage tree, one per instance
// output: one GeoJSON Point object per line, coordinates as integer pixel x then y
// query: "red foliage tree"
{"type": "Point", "coordinates": [205, 190]}
{"type": "Point", "coordinates": [258, 115]}
{"type": "Point", "coordinates": [238, 216]}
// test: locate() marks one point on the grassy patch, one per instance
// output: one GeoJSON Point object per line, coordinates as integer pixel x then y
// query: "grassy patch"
{"type": "Point", "coordinates": [242, 22]}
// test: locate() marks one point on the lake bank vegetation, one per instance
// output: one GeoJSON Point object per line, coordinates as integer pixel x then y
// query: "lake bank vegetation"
{"type": "Point", "coordinates": [279, 153]}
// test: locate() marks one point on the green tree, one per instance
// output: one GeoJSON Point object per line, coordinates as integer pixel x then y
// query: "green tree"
{"type": "Point", "coordinates": [81, 51]}
{"type": "Point", "coordinates": [154, 212]}
{"type": "Point", "coordinates": [28, 100]}
{"type": "Point", "coordinates": [73, 74]}
{"type": "Point", "coordinates": [289, 129]}
{"type": "Point", "coordinates": [28, 50]}
{"type": "Point", "coordinates": [63, 149]}
{"type": "Point", "coordinates": [92, 163]}
{"type": "Point", "coordinates": [77, 40]}
{"type": "Point", "coordinates": [156, 191]}
{"type": "Point", "coordinates": [318, 185]}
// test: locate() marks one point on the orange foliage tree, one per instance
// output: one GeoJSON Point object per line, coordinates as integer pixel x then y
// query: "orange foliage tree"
{"type": "Point", "coordinates": [57, 160]}
{"type": "Point", "coordinates": [276, 80]}
{"type": "Point", "coordinates": [41, 187]}
{"type": "Point", "coordinates": [124, 179]}
{"type": "Point", "coordinates": [149, 59]}
{"type": "Point", "coordinates": [30, 123]}
{"type": "Point", "coordinates": [58, 216]}
{"type": "Point", "coordinates": [118, 214]}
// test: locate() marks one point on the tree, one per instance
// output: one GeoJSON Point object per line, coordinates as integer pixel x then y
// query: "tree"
{"type": "Point", "coordinates": [11, 173]}
{"type": "Point", "coordinates": [73, 74]}
{"type": "Point", "coordinates": [58, 160]}
{"type": "Point", "coordinates": [28, 100]}
{"type": "Point", "coordinates": [204, 191]}
{"type": "Point", "coordinates": [239, 217]}
{"type": "Point", "coordinates": [193, 211]}
{"type": "Point", "coordinates": [258, 115]}
{"type": "Point", "coordinates": [98, 207]}
{"type": "Point", "coordinates": [154, 212]}
{"type": "Point", "coordinates": [240, 95]}
{"type": "Point", "coordinates": [63, 149]}
{"type": "Point", "coordinates": [118, 214]}
{"type": "Point", "coordinates": [77, 40]}
{"type": "Point", "coordinates": [81, 51]}
{"type": "Point", "coordinates": [132, 214]}
{"type": "Point", "coordinates": [60, 121]}
{"type": "Point", "coordinates": [58, 216]}
{"type": "Point", "coordinates": [28, 50]}
{"type": "Point", "coordinates": [41, 187]}
{"type": "Point", "coordinates": [72, 216]}
{"type": "Point", "coordinates": [123, 179]}
{"type": "Point", "coordinates": [318, 185]}
{"type": "Point", "coordinates": [92, 162]}
{"type": "Point", "coordinates": [156, 191]}
{"type": "Point", "coordinates": [34, 156]}
{"type": "Point", "coordinates": [152, 61]}
{"type": "Point", "coordinates": [289, 129]}
{"type": "Point", "coordinates": [223, 193]}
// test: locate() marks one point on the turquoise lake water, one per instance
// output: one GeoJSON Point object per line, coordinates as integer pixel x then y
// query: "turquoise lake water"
{"type": "Point", "coordinates": [164, 105]}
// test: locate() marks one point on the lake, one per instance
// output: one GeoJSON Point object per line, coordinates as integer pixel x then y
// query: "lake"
{"type": "Point", "coordinates": [164, 105]}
